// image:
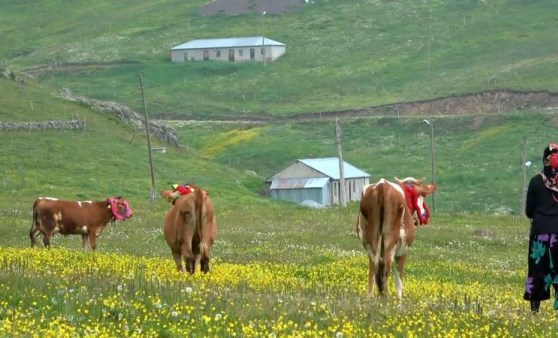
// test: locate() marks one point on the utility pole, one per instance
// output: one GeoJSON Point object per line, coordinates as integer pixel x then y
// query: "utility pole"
{"type": "Point", "coordinates": [263, 37]}
{"type": "Point", "coordinates": [152, 193]}
{"type": "Point", "coordinates": [524, 166]}
{"type": "Point", "coordinates": [342, 197]}
{"type": "Point", "coordinates": [430, 123]}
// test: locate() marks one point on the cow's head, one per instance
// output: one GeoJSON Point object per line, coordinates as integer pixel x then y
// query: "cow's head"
{"type": "Point", "coordinates": [119, 207]}
{"type": "Point", "coordinates": [415, 192]}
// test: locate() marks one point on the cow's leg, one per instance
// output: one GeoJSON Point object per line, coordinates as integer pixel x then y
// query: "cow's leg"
{"type": "Point", "coordinates": [400, 261]}
{"type": "Point", "coordinates": [92, 240]}
{"type": "Point", "coordinates": [204, 264]}
{"type": "Point", "coordinates": [371, 275]}
{"type": "Point", "coordinates": [189, 256]}
{"type": "Point", "coordinates": [372, 245]}
{"type": "Point", "coordinates": [85, 242]}
{"type": "Point", "coordinates": [34, 235]}
{"type": "Point", "coordinates": [177, 256]}
{"type": "Point", "coordinates": [205, 252]}
{"type": "Point", "coordinates": [46, 239]}
{"type": "Point", "coordinates": [388, 255]}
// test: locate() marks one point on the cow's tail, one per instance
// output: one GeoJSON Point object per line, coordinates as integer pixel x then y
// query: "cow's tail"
{"type": "Point", "coordinates": [34, 224]}
{"type": "Point", "coordinates": [379, 203]}
{"type": "Point", "coordinates": [198, 206]}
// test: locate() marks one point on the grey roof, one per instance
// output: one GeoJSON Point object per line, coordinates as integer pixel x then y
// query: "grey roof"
{"type": "Point", "coordinates": [330, 167]}
{"type": "Point", "coordinates": [294, 183]}
{"type": "Point", "coordinates": [228, 42]}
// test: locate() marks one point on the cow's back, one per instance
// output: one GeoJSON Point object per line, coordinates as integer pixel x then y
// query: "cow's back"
{"type": "Point", "coordinates": [383, 213]}
{"type": "Point", "coordinates": [179, 220]}
{"type": "Point", "coordinates": [67, 217]}
{"type": "Point", "coordinates": [190, 230]}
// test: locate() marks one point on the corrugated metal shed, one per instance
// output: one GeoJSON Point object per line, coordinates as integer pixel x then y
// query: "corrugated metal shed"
{"type": "Point", "coordinates": [295, 183]}
{"type": "Point", "coordinates": [228, 43]}
{"type": "Point", "coordinates": [330, 167]}
{"type": "Point", "coordinates": [317, 180]}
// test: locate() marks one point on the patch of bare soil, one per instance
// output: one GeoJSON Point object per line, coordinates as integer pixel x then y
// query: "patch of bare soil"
{"type": "Point", "coordinates": [236, 7]}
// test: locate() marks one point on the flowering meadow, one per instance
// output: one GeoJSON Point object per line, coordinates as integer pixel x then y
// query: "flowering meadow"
{"type": "Point", "coordinates": [298, 273]}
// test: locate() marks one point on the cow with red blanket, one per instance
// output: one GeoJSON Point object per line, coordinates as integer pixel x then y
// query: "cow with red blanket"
{"type": "Point", "coordinates": [190, 228]}
{"type": "Point", "coordinates": [386, 228]}
{"type": "Point", "coordinates": [85, 218]}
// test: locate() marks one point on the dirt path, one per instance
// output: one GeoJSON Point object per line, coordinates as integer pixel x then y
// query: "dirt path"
{"type": "Point", "coordinates": [488, 102]}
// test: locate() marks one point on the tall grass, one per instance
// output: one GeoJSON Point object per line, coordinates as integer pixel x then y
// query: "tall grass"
{"type": "Point", "coordinates": [292, 272]}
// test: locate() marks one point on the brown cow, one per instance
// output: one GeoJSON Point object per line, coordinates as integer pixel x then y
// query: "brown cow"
{"type": "Point", "coordinates": [86, 218]}
{"type": "Point", "coordinates": [190, 229]}
{"type": "Point", "coordinates": [386, 229]}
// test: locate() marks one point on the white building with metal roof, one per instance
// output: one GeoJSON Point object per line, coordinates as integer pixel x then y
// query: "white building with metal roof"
{"type": "Point", "coordinates": [316, 180]}
{"type": "Point", "coordinates": [256, 48]}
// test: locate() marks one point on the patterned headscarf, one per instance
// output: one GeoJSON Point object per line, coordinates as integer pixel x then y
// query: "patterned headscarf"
{"type": "Point", "coordinates": [550, 174]}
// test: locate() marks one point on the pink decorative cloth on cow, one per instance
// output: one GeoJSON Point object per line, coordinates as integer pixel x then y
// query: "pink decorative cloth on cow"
{"type": "Point", "coordinates": [127, 213]}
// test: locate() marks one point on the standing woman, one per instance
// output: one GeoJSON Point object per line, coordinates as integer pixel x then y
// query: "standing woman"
{"type": "Point", "coordinates": [542, 209]}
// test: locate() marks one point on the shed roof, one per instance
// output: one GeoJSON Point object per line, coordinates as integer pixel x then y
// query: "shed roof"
{"type": "Point", "coordinates": [330, 166]}
{"type": "Point", "coordinates": [227, 42]}
{"type": "Point", "coordinates": [294, 183]}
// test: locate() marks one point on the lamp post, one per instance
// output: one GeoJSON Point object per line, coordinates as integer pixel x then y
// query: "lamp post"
{"type": "Point", "coordinates": [263, 38]}
{"type": "Point", "coordinates": [431, 124]}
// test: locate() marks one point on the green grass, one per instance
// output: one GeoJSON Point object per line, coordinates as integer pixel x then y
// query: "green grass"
{"type": "Point", "coordinates": [277, 268]}
{"type": "Point", "coordinates": [339, 55]}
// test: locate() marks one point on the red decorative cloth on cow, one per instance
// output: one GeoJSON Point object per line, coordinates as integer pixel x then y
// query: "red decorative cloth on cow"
{"type": "Point", "coordinates": [412, 197]}
{"type": "Point", "coordinates": [182, 189]}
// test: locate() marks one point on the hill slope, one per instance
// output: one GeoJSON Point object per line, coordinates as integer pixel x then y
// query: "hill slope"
{"type": "Point", "coordinates": [339, 55]}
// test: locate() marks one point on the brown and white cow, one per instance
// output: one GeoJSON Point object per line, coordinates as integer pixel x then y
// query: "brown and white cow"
{"type": "Point", "coordinates": [386, 229]}
{"type": "Point", "coordinates": [190, 229]}
{"type": "Point", "coordinates": [85, 218]}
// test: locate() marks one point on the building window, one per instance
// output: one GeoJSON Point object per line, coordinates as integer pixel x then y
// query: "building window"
{"type": "Point", "coordinates": [263, 51]}
{"type": "Point", "coordinates": [205, 55]}
{"type": "Point", "coordinates": [218, 54]}
{"type": "Point", "coordinates": [240, 52]}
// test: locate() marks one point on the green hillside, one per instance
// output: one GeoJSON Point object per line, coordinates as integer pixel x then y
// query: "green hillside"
{"type": "Point", "coordinates": [340, 55]}
{"type": "Point", "coordinates": [478, 157]}
{"type": "Point", "coordinates": [108, 157]}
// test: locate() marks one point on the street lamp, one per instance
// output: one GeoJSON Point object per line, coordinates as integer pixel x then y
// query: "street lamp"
{"type": "Point", "coordinates": [431, 124]}
{"type": "Point", "coordinates": [263, 38]}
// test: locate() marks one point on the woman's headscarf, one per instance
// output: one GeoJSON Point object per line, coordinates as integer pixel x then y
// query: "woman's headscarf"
{"type": "Point", "coordinates": [550, 167]}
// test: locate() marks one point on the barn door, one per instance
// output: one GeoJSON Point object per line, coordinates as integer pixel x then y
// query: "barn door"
{"type": "Point", "coordinates": [252, 54]}
{"type": "Point", "coordinates": [231, 55]}
{"type": "Point", "coordinates": [335, 192]}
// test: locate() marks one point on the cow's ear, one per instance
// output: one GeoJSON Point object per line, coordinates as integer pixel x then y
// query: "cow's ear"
{"type": "Point", "coordinates": [119, 197]}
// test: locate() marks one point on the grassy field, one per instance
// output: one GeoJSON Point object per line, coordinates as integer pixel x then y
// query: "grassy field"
{"type": "Point", "coordinates": [290, 272]}
{"type": "Point", "coordinates": [339, 55]}
{"type": "Point", "coordinates": [277, 269]}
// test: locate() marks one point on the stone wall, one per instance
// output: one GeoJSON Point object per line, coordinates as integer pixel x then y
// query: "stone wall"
{"type": "Point", "coordinates": [42, 126]}
{"type": "Point", "coordinates": [158, 130]}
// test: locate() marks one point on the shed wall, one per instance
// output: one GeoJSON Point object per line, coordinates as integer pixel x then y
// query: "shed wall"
{"type": "Point", "coordinates": [299, 195]}
{"type": "Point", "coordinates": [222, 54]}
